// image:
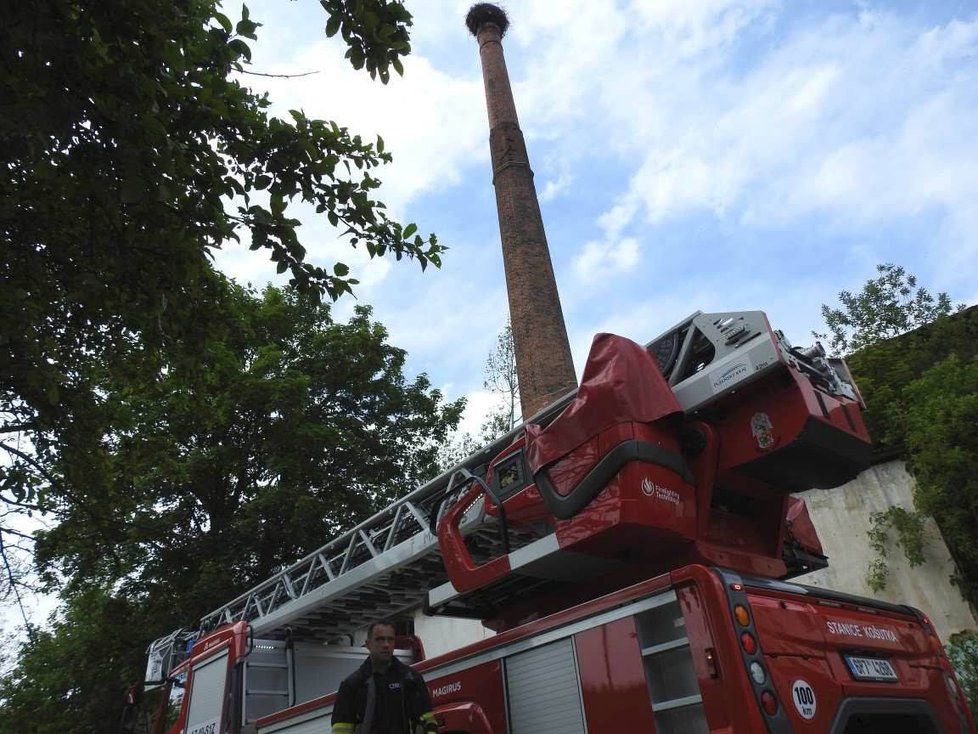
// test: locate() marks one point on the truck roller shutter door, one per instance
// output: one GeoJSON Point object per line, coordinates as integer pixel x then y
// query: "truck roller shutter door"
{"type": "Point", "coordinates": [208, 686]}
{"type": "Point", "coordinates": [543, 690]}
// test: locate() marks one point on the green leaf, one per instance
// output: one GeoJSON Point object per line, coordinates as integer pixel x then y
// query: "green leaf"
{"type": "Point", "coordinates": [277, 203]}
{"type": "Point", "coordinates": [224, 21]}
{"type": "Point", "coordinates": [333, 25]}
{"type": "Point", "coordinates": [240, 48]}
{"type": "Point", "coordinates": [246, 28]}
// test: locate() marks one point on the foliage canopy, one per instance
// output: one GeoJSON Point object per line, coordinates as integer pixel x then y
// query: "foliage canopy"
{"type": "Point", "coordinates": [208, 472]}
{"type": "Point", "coordinates": [184, 436]}
{"type": "Point", "coordinates": [886, 307]}
{"type": "Point", "coordinates": [917, 370]}
{"type": "Point", "coordinates": [132, 151]}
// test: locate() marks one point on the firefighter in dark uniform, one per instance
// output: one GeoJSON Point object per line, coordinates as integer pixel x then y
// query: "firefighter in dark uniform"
{"type": "Point", "coordinates": [383, 696]}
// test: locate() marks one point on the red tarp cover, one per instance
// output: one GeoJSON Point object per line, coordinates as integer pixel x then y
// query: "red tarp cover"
{"type": "Point", "coordinates": [801, 528]}
{"type": "Point", "coordinates": [621, 384]}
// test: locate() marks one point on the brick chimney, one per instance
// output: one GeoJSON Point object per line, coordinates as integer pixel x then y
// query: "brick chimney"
{"type": "Point", "coordinates": [543, 359]}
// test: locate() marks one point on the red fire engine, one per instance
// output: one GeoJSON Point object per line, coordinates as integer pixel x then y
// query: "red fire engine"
{"type": "Point", "coordinates": [631, 546]}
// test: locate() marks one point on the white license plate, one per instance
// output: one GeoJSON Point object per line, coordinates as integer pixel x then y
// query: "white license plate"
{"type": "Point", "coordinates": [870, 668]}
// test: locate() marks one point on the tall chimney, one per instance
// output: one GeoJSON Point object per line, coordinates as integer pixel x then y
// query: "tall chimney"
{"type": "Point", "coordinates": [543, 359]}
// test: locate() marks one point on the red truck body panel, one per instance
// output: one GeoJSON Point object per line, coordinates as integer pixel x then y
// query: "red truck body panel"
{"type": "Point", "coordinates": [803, 635]}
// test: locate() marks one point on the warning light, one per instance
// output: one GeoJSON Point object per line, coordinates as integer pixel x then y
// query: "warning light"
{"type": "Point", "coordinates": [742, 616]}
{"type": "Point", "coordinates": [769, 702]}
{"type": "Point", "coordinates": [737, 587]}
{"type": "Point", "coordinates": [749, 643]}
{"type": "Point", "coordinates": [711, 662]}
{"type": "Point", "coordinates": [757, 673]}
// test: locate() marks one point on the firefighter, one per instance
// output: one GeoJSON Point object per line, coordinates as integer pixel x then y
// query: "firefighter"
{"type": "Point", "coordinates": [383, 696]}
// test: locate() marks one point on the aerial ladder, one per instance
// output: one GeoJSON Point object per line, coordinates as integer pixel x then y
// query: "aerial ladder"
{"type": "Point", "coordinates": [686, 449]}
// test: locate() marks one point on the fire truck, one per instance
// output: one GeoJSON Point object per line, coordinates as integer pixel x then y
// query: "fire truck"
{"type": "Point", "coordinates": [632, 547]}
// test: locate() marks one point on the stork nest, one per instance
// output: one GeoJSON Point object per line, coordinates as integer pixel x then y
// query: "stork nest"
{"type": "Point", "coordinates": [482, 13]}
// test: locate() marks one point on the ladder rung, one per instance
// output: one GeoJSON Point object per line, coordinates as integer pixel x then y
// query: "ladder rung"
{"type": "Point", "coordinates": [676, 703]}
{"type": "Point", "coordinates": [264, 692]}
{"type": "Point", "coordinates": [665, 646]}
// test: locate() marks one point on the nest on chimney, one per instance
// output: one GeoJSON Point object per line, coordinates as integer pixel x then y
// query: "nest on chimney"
{"type": "Point", "coordinates": [482, 13]}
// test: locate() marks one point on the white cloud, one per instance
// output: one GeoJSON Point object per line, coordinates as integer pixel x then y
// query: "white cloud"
{"type": "Point", "coordinates": [556, 186]}
{"type": "Point", "coordinates": [478, 404]}
{"type": "Point", "coordinates": [599, 261]}
{"type": "Point", "coordinates": [850, 119]}
{"type": "Point", "coordinates": [434, 124]}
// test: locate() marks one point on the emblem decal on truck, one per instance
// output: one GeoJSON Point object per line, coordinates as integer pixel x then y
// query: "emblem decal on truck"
{"type": "Point", "coordinates": [762, 430]}
{"type": "Point", "coordinates": [652, 489]}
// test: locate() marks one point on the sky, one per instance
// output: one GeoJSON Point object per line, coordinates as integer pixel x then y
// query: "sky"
{"type": "Point", "coordinates": [713, 155]}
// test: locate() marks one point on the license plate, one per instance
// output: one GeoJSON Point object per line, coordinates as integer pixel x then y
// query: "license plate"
{"type": "Point", "coordinates": [870, 668]}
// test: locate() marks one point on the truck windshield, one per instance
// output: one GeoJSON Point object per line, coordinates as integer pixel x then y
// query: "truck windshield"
{"type": "Point", "coordinates": [177, 691]}
{"type": "Point", "coordinates": [170, 711]}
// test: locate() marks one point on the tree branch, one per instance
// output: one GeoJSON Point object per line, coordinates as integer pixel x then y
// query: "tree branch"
{"type": "Point", "coordinates": [13, 586]}
{"type": "Point", "coordinates": [17, 427]}
{"type": "Point", "coordinates": [278, 76]}
{"type": "Point", "coordinates": [33, 462]}
{"type": "Point", "coordinates": [18, 534]}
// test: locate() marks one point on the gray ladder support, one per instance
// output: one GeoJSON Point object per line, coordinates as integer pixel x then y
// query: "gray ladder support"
{"type": "Point", "coordinates": [677, 703]}
{"type": "Point", "coordinates": [261, 682]}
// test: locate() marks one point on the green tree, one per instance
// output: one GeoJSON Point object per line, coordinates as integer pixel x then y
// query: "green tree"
{"type": "Point", "coordinates": [74, 677]}
{"type": "Point", "coordinates": [886, 307]}
{"type": "Point", "coordinates": [915, 367]}
{"type": "Point", "coordinates": [210, 471]}
{"type": "Point", "coordinates": [962, 648]}
{"type": "Point", "coordinates": [942, 445]}
{"type": "Point", "coordinates": [501, 379]}
{"type": "Point", "coordinates": [131, 151]}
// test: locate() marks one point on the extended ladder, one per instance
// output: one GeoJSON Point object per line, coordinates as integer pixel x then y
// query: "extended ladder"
{"type": "Point", "coordinates": [386, 565]}
{"type": "Point", "coordinates": [383, 567]}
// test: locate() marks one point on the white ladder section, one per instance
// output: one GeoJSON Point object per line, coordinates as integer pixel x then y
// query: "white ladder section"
{"type": "Point", "coordinates": [379, 568]}
{"type": "Point", "coordinates": [383, 567]}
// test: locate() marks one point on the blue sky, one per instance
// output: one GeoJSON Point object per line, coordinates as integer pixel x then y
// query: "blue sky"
{"type": "Point", "coordinates": [709, 154]}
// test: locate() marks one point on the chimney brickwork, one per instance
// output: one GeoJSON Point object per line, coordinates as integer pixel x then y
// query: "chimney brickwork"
{"type": "Point", "coordinates": [543, 359]}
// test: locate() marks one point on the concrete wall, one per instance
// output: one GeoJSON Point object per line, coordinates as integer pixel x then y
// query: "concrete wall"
{"type": "Point", "coordinates": [842, 517]}
{"type": "Point", "coordinates": [442, 634]}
